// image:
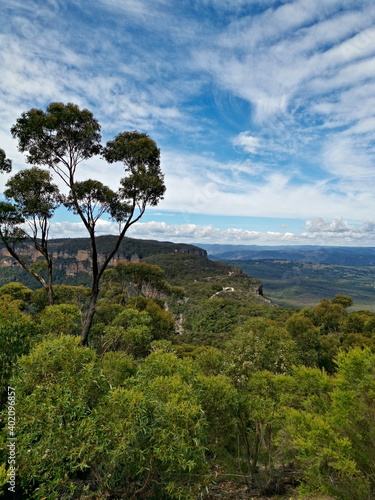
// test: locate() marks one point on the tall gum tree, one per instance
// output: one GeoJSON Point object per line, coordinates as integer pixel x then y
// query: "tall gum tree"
{"type": "Point", "coordinates": [32, 199]}
{"type": "Point", "coordinates": [61, 138]}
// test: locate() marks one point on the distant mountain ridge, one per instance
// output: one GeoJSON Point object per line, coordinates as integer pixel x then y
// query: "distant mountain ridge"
{"type": "Point", "coordinates": [341, 256]}
{"type": "Point", "coordinates": [71, 257]}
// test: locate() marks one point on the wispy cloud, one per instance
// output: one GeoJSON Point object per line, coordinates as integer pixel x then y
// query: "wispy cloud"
{"type": "Point", "coordinates": [260, 108]}
{"type": "Point", "coordinates": [317, 232]}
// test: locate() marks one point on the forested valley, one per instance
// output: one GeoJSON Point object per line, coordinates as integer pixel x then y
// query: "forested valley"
{"type": "Point", "coordinates": [192, 385]}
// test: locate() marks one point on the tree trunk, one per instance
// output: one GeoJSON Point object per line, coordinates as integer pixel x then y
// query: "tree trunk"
{"type": "Point", "coordinates": [49, 288]}
{"type": "Point", "coordinates": [90, 314]}
{"type": "Point", "coordinates": [46, 285]}
{"type": "Point", "coordinates": [49, 291]}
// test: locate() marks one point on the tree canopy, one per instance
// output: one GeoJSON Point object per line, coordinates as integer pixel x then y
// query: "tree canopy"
{"type": "Point", "coordinates": [61, 138]}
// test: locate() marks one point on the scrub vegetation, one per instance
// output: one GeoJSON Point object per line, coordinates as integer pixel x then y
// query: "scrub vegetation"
{"type": "Point", "coordinates": [192, 385]}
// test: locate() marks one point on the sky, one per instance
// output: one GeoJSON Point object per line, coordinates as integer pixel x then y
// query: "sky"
{"type": "Point", "coordinates": [264, 110]}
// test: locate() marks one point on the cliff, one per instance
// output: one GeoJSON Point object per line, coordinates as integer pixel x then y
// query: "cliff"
{"type": "Point", "coordinates": [72, 255]}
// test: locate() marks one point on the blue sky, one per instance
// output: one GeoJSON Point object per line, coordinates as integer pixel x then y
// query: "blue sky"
{"type": "Point", "coordinates": [264, 110]}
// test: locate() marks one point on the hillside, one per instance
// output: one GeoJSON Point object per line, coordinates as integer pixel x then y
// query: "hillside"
{"type": "Point", "coordinates": [71, 257]}
{"type": "Point", "coordinates": [207, 360]}
{"type": "Point", "coordinates": [300, 284]}
{"type": "Point", "coordinates": [340, 256]}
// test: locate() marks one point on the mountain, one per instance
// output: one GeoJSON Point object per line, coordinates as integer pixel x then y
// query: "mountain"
{"type": "Point", "coordinates": [300, 284]}
{"type": "Point", "coordinates": [72, 257]}
{"type": "Point", "coordinates": [341, 256]}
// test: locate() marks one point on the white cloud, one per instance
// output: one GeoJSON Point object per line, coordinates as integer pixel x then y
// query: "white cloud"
{"type": "Point", "coordinates": [338, 231]}
{"type": "Point", "coordinates": [249, 143]}
{"type": "Point", "coordinates": [317, 232]}
{"type": "Point", "coordinates": [300, 76]}
{"type": "Point", "coordinates": [338, 225]}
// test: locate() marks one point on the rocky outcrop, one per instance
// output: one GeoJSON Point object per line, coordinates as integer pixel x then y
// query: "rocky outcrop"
{"type": "Point", "coordinates": [72, 256]}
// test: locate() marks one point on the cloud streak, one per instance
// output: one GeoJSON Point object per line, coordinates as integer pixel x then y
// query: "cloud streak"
{"type": "Point", "coordinates": [317, 232]}
{"type": "Point", "coordinates": [260, 108]}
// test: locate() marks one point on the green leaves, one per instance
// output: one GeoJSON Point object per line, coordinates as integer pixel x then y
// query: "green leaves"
{"type": "Point", "coordinates": [61, 138]}
{"type": "Point", "coordinates": [34, 194]}
{"type": "Point", "coordinates": [259, 344]}
{"type": "Point", "coordinates": [91, 199]}
{"type": "Point", "coordinates": [72, 425]}
{"type": "Point", "coordinates": [57, 135]}
{"type": "Point", "coordinates": [16, 332]}
{"type": "Point", "coordinates": [134, 149]}
{"type": "Point", "coordinates": [5, 163]}
{"type": "Point", "coordinates": [141, 157]}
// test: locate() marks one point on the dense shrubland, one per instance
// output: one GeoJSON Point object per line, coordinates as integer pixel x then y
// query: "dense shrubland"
{"type": "Point", "coordinates": [183, 390]}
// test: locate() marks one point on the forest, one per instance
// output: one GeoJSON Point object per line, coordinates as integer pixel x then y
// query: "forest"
{"type": "Point", "coordinates": [192, 385]}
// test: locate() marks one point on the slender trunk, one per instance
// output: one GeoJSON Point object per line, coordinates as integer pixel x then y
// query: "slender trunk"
{"type": "Point", "coordinates": [46, 285]}
{"type": "Point", "coordinates": [242, 429]}
{"type": "Point", "coordinates": [94, 291]}
{"type": "Point", "coordinates": [257, 442]}
{"type": "Point", "coordinates": [51, 298]}
{"type": "Point", "coordinates": [49, 291]}
{"type": "Point", "coordinates": [96, 272]}
{"type": "Point", "coordinates": [90, 314]}
{"type": "Point", "coordinates": [49, 281]}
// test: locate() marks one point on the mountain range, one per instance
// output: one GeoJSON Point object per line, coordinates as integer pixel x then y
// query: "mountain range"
{"type": "Point", "coordinates": [340, 256]}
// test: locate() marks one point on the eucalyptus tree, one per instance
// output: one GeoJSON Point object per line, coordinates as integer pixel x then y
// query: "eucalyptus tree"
{"type": "Point", "coordinates": [32, 199]}
{"type": "Point", "coordinates": [61, 138]}
{"type": "Point", "coordinates": [5, 163]}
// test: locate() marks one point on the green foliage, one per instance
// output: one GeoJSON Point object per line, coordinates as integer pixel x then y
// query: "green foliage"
{"type": "Point", "coordinates": [129, 332]}
{"type": "Point", "coordinates": [106, 312]}
{"type": "Point", "coordinates": [5, 163]}
{"type": "Point", "coordinates": [118, 367]}
{"type": "Point", "coordinates": [33, 193]}
{"type": "Point", "coordinates": [17, 291]}
{"type": "Point", "coordinates": [353, 409]}
{"type": "Point", "coordinates": [334, 441]}
{"type": "Point", "coordinates": [47, 136]}
{"type": "Point", "coordinates": [132, 330]}
{"type": "Point", "coordinates": [58, 385]}
{"type": "Point", "coordinates": [283, 397]}
{"type": "Point", "coordinates": [153, 439]}
{"type": "Point", "coordinates": [134, 279]}
{"type": "Point", "coordinates": [219, 400]}
{"type": "Point", "coordinates": [10, 220]}
{"type": "Point", "coordinates": [16, 333]}
{"type": "Point", "coordinates": [63, 294]}
{"type": "Point", "coordinates": [306, 337]}
{"type": "Point", "coordinates": [330, 347]}
{"type": "Point", "coordinates": [344, 300]}
{"type": "Point", "coordinates": [324, 456]}
{"type": "Point", "coordinates": [3, 477]}
{"type": "Point", "coordinates": [361, 322]}
{"type": "Point", "coordinates": [78, 438]}
{"type": "Point", "coordinates": [259, 344]}
{"type": "Point", "coordinates": [329, 316]}
{"type": "Point", "coordinates": [219, 315]}
{"type": "Point", "coordinates": [210, 360]}
{"type": "Point", "coordinates": [163, 364]}
{"type": "Point", "coordinates": [60, 319]}
{"type": "Point", "coordinates": [92, 199]}
{"type": "Point", "coordinates": [34, 199]}
{"type": "Point", "coordinates": [141, 158]}
{"type": "Point", "coordinates": [162, 323]}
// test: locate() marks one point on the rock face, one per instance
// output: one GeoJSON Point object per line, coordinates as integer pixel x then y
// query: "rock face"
{"type": "Point", "coordinates": [72, 256]}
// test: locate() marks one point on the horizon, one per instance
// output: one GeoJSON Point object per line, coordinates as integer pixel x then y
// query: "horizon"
{"type": "Point", "coordinates": [262, 110]}
{"type": "Point", "coordinates": [226, 245]}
